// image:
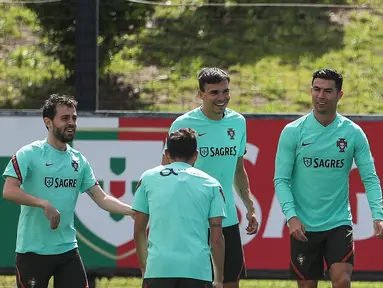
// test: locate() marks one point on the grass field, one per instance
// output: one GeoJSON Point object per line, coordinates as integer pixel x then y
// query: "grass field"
{"type": "Point", "coordinates": [9, 281]}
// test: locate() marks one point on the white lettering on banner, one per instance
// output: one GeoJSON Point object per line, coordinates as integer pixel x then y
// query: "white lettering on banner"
{"type": "Point", "coordinates": [139, 156]}
{"type": "Point", "coordinates": [275, 221]}
{"type": "Point", "coordinates": [251, 156]}
{"type": "Point", "coordinates": [363, 229]}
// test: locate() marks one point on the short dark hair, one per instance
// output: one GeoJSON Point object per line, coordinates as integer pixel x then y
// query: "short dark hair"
{"type": "Point", "coordinates": [211, 75]}
{"type": "Point", "coordinates": [50, 105]}
{"type": "Point", "coordinates": [182, 143]}
{"type": "Point", "coordinates": [329, 74]}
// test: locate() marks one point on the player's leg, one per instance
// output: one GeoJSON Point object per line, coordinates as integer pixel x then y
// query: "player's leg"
{"type": "Point", "coordinates": [160, 283]}
{"type": "Point", "coordinates": [70, 271]}
{"type": "Point", "coordinates": [33, 270]}
{"type": "Point", "coordinates": [193, 283]}
{"type": "Point", "coordinates": [306, 264]}
{"type": "Point", "coordinates": [234, 268]}
{"type": "Point", "coordinates": [339, 255]}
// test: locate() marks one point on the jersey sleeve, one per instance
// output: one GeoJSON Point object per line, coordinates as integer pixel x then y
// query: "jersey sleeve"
{"type": "Point", "coordinates": [284, 163]}
{"type": "Point", "coordinates": [242, 149]}
{"type": "Point", "coordinates": [19, 164]}
{"type": "Point", "coordinates": [365, 163]}
{"type": "Point", "coordinates": [218, 203]}
{"type": "Point", "coordinates": [140, 200]}
{"type": "Point", "coordinates": [88, 178]}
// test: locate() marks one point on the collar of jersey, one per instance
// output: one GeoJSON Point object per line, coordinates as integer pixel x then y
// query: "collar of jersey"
{"type": "Point", "coordinates": [180, 164]}
{"type": "Point", "coordinates": [211, 120]}
{"type": "Point", "coordinates": [316, 125]}
{"type": "Point", "coordinates": [48, 146]}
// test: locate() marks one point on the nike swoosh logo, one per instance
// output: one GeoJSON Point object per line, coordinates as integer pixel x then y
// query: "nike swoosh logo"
{"type": "Point", "coordinates": [306, 144]}
{"type": "Point", "coordinates": [48, 164]}
{"type": "Point", "coordinates": [201, 134]}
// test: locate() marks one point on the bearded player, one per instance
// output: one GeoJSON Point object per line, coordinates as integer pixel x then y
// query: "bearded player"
{"type": "Point", "coordinates": [46, 177]}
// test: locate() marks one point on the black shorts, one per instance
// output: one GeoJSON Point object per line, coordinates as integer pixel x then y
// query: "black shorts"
{"type": "Point", "coordinates": [175, 283]}
{"type": "Point", "coordinates": [332, 246]}
{"type": "Point", "coordinates": [234, 268]}
{"type": "Point", "coordinates": [34, 270]}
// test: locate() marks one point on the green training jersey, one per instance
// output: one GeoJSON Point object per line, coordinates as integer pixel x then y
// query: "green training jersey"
{"type": "Point", "coordinates": [220, 144]}
{"type": "Point", "coordinates": [312, 169]}
{"type": "Point", "coordinates": [179, 200]}
{"type": "Point", "coordinates": [56, 176]}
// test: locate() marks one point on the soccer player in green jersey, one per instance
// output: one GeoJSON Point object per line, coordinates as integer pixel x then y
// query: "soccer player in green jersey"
{"type": "Point", "coordinates": [222, 145]}
{"type": "Point", "coordinates": [45, 177]}
{"type": "Point", "coordinates": [314, 158]}
{"type": "Point", "coordinates": [180, 201]}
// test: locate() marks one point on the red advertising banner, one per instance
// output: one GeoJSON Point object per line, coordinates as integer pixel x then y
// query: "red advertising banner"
{"type": "Point", "coordinates": [121, 149]}
{"type": "Point", "coordinates": [269, 249]}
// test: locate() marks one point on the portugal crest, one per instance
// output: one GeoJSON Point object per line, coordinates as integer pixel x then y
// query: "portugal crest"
{"type": "Point", "coordinates": [300, 259]}
{"type": "Point", "coordinates": [341, 144]}
{"type": "Point", "coordinates": [231, 133]}
{"type": "Point", "coordinates": [75, 165]}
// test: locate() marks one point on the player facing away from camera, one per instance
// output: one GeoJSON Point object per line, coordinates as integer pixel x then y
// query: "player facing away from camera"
{"type": "Point", "coordinates": [314, 158]}
{"type": "Point", "coordinates": [222, 145]}
{"type": "Point", "coordinates": [181, 202]}
{"type": "Point", "coordinates": [45, 177]}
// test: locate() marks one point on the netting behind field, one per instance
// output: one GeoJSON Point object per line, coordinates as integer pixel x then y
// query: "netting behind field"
{"type": "Point", "coordinates": [150, 52]}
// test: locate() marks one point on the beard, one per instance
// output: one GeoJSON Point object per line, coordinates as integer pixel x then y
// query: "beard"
{"type": "Point", "coordinates": [60, 135]}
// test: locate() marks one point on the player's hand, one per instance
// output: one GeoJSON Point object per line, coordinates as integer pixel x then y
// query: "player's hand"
{"type": "Point", "coordinates": [217, 284]}
{"type": "Point", "coordinates": [378, 227]}
{"type": "Point", "coordinates": [252, 226]}
{"type": "Point", "coordinates": [133, 215]}
{"type": "Point", "coordinates": [297, 229]}
{"type": "Point", "coordinates": [52, 214]}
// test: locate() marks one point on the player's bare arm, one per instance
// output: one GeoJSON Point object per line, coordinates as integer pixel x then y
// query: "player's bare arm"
{"type": "Point", "coordinates": [14, 193]}
{"type": "Point", "coordinates": [242, 186]}
{"type": "Point", "coordinates": [217, 242]}
{"type": "Point", "coordinates": [140, 239]}
{"type": "Point", "coordinates": [109, 203]}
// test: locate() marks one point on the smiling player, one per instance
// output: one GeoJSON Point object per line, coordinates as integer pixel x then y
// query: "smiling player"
{"type": "Point", "coordinates": [222, 145]}
{"type": "Point", "coordinates": [45, 178]}
{"type": "Point", "coordinates": [313, 162]}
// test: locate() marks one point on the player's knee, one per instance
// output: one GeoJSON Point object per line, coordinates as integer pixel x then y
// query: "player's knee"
{"type": "Point", "coordinates": [342, 280]}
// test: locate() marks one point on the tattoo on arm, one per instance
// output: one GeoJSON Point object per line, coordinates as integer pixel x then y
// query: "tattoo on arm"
{"type": "Point", "coordinates": [215, 225]}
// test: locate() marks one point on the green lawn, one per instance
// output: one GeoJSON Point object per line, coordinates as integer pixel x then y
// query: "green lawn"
{"type": "Point", "coordinates": [8, 281]}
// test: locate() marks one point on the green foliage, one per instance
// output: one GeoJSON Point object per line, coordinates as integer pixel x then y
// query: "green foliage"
{"type": "Point", "coordinates": [271, 74]}
{"type": "Point", "coordinates": [116, 17]}
{"type": "Point", "coordinates": [150, 61]}
{"type": "Point", "coordinates": [226, 36]}
{"type": "Point", "coordinates": [24, 67]}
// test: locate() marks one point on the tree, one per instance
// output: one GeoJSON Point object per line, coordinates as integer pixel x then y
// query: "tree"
{"type": "Point", "coordinates": [117, 18]}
